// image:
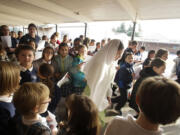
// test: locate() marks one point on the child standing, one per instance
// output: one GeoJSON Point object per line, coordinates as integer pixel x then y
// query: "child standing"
{"type": "Point", "coordinates": [82, 117]}
{"type": "Point", "coordinates": [98, 47]}
{"type": "Point", "coordinates": [176, 68]}
{"type": "Point", "coordinates": [162, 53]}
{"type": "Point", "coordinates": [25, 55]}
{"type": "Point", "coordinates": [156, 68]}
{"type": "Point", "coordinates": [158, 99]}
{"type": "Point", "coordinates": [147, 61]}
{"type": "Point", "coordinates": [46, 73]}
{"type": "Point", "coordinates": [78, 77]}
{"type": "Point", "coordinates": [63, 65]}
{"type": "Point", "coordinates": [9, 82]}
{"type": "Point", "coordinates": [63, 61]}
{"type": "Point", "coordinates": [123, 79]}
{"type": "Point", "coordinates": [31, 100]}
{"type": "Point", "coordinates": [32, 44]}
{"type": "Point", "coordinates": [47, 56]}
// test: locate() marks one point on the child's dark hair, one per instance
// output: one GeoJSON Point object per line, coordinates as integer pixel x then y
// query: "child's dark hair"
{"type": "Point", "coordinates": [143, 48]}
{"type": "Point", "coordinates": [86, 41]}
{"type": "Point", "coordinates": [22, 48]}
{"type": "Point", "coordinates": [98, 43]}
{"type": "Point", "coordinates": [63, 45]}
{"type": "Point", "coordinates": [47, 71]}
{"type": "Point", "coordinates": [133, 43]}
{"type": "Point", "coordinates": [127, 54]}
{"type": "Point", "coordinates": [157, 62]}
{"type": "Point", "coordinates": [32, 41]}
{"type": "Point", "coordinates": [178, 52]}
{"type": "Point", "coordinates": [32, 25]}
{"type": "Point", "coordinates": [45, 49]}
{"type": "Point", "coordinates": [83, 119]}
{"type": "Point", "coordinates": [53, 36]}
{"type": "Point", "coordinates": [92, 40]}
{"type": "Point", "coordinates": [81, 46]}
{"type": "Point", "coordinates": [77, 39]}
{"type": "Point", "coordinates": [44, 37]}
{"type": "Point", "coordinates": [159, 99]}
{"type": "Point", "coordinates": [19, 32]}
{"type": "Point", "coordinates": [1, 29]}
{"type": "Point", "coordinates": [151, 52]}
{"type": "Point", "coordinates": [160, 53]}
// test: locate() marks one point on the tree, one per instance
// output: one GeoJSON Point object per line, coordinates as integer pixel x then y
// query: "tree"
{"type": "Point", "coordinates": [120, 29]}
{"type": "Point", "coordinates": [129, 31]}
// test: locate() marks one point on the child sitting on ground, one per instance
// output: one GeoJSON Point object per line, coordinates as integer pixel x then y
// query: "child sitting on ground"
{"type": "Point", "coordinates": [158, 100]}
{"type": "Point", "coordinates": [31, 100]}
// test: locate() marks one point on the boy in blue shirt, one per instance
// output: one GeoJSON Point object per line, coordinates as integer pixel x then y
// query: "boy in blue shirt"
{"type": "Point", "coordinates": [78, 77]}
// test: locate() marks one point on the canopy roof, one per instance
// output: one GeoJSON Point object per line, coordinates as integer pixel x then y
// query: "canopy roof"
{"type": "Point", "coordinates": [23, 12]}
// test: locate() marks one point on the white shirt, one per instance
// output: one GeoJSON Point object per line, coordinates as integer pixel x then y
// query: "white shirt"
{"type": "Point", "coordinates": [24, 69]}
{"type": "Point", "coordinates": [128, 126]}
{"type": "Point", "coordinates": [92, 48]}
{"type": "Point", "coordinates": [40, 119]}
{"type": "Point", "coordinates": [7, 99]}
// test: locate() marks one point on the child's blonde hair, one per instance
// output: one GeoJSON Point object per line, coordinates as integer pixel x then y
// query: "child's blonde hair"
{"type": "Point", "coordinates": [29, 96]}
{"type": "Point", "coordinates": [3, 52]}
{"type": "Point", "coordinates": [3, 55]}
{"type": "Point", "coordinates": [9, 77]}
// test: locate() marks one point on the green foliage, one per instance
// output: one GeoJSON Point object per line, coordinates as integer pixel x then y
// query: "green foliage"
{"type": "Point", "coordinates": [129, 31]}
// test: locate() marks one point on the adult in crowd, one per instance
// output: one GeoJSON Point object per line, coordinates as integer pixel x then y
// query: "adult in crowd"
{"type": "Point", "coordinates": [31, 35]}
{"type": "Point", "coordinates": [10, 48]}
{"type": "Point", "coordinates": [20, 34]}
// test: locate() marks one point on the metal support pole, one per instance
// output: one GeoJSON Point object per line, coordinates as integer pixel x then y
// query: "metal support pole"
{"type": "Point", "coordinates": [56, 27]}
{"type": "Point", "coordinates": [23, 30]}
{"type": "Point", "coordinates": [37, 30]}
{"type": "Point", "coordinates": [85, 32]}
{"type": "Point", "coordinates": [133, 32]}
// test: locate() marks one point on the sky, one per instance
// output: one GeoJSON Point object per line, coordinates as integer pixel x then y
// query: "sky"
{"type": "Point", "coordinates": [169, 29]}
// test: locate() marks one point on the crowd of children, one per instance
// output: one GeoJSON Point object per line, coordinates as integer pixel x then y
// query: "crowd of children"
{"type": "Point", "coordinates": [32, 99]}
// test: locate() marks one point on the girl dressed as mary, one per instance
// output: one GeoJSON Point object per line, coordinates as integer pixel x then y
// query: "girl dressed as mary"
{"type": "Point", "coordinates": [100, 71]}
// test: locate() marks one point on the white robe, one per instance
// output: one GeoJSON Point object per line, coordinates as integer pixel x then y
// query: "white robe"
{"type": "Point", "coordinates": [100, 72]}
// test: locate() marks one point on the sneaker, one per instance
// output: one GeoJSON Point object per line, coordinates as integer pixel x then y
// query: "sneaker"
{"type": "Point", "coordinates": [113, 112]}
{"type": "Point", "coordinates": [136, 116]}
